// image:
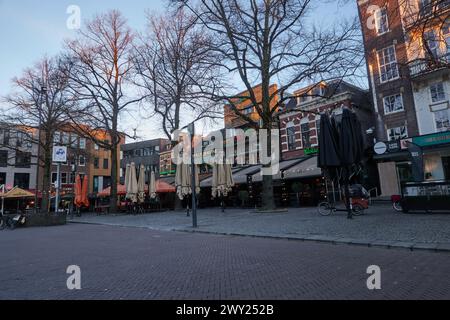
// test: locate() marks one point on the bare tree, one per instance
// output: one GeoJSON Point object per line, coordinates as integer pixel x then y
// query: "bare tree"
{"type": "Point", "coordinates": [175, 65]}
{"type": "Point", "coordinates": [36, 110]}
{"type": "Point", "coordinates": [274, 41]}
{"type": "Point", "coordinates": [100, 72]}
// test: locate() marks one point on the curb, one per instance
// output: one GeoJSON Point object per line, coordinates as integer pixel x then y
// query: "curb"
{"type": "Point", "coordinates": [411, 246]}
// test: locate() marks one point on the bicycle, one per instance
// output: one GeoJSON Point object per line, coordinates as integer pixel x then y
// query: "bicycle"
{"type": "Point", "coordinates": [325, 208]}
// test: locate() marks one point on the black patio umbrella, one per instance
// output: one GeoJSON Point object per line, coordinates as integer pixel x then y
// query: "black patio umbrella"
{"type": "Point", "coordinates": [328, 159]}
{"type": "Point", "coordinates": [351, 149]}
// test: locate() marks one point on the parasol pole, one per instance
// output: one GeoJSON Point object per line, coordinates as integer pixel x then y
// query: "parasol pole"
{"type": "Point", "coordinates": [3, 199]}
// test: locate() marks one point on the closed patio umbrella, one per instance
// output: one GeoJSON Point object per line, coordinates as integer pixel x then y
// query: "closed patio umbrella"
{"type": "Point", "coordinates": [222, 181]}
{"type": "Point", "coordinates": [127, 177]}
{"type": "Point", "coordinates": [132, 187]}
{"type": "Point", "coordinates": [78, 191]}
{"type": "Point", "coordinates": [329, 153]}
{"type": "Point", "coordinates": [141, 184]}
{"type": "Point", "coordinates": [183, 180]}
{"type": "Point", "coordinates": [85, 191]}
{"type": "Point", "coordinates": [152, 186]}
{"type": "Point", "coordinates": [351, 149]}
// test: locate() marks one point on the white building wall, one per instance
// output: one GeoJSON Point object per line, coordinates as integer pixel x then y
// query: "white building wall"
{"type": "Point", "coordinates": [425, 108]}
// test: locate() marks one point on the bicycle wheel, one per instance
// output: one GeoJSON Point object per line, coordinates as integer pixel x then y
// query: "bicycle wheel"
{"type": "Point", "coordinates": [324, 209]}
{"type": "Point", "coordinates": [397, 206]}
{"type": "Point", "coordinates": [10, 223]}
{"type": "Point", "coordinates": [358, 210]}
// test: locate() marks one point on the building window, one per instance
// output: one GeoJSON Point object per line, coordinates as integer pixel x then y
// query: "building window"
{"type": "Point", "coordinates": [6, 135]}
{"type": "Point", "coordinates": [96, 147]}
{"type": "Point", "coordinates": [56, 138]}
{"type": "Point", "coordinates": [318, 126]}
{"type": "Point", "coordinates": [442, 120]}
{"type": "Point", "coordinates": [63, 177]}
{"type": "Point", "coordinates": [3, 158]}
{"type": "Point", "coordinates": [397, 133]}
{"type": "Point", "coordinates": [247, 110]}
{"type": "Point", "coordinates": [22, 180]}
{"type": "Point", "coordinates": [432, 43]}
{"type": "Point", "coordinates": [437, 92]}
{"type": "Point", "coordinates": [96, 163]}
{"type": "Point", "coordinates": [23, 159]}
{"type": "Point", "coordinates": [71, 178]}
{"type": "Point", "coordinates": [306, 139]}
{"type": "Point", "coordinates": [388, 64]}
{"type": "Point", "coordinates": [381, 21]}
{"type": "Point", "coordinates": [393, 103]}
{"type": "Point", "coordinates": [290, 133]}
{"type": "Point", "coordinates": [446, 35]}
{"type": "Point", "coordinates": [83, 143]}
{"type": "Point", "coordinates": [73, 140]}
{"type": "Point", "coordinates": [81, 161]}
{"type": "Point", "coordinates": [2, 178]}
{"type": "Point", "coordinates": [65, 138]}
{"type": "Point", "coordinates": [105, 163]}
{"type": "Point", "coordinates": [425, 7]}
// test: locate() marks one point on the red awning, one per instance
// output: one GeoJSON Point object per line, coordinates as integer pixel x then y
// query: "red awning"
{"type": "Point", "coordinates": [164, 187]}
{"type": "Point", "coordinates": [161, 187]}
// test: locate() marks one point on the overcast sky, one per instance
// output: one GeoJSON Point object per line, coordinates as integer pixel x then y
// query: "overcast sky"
{"type": "Point", "coordinates": [31, 29]}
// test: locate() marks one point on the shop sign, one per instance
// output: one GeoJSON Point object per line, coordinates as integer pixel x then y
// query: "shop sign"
{"type": "Point", "coordinates": [380, 148]}
{"type": "Point", "coordinates": [404, 143]}
{"type": "Point", "coordinates": [59, 154]}
{"type": "Point", "coordinates": [432, 139]}
{"type": "Point", "coordinates": [309, 151]}
{"type": "Point", "coordinates": [393, 146]}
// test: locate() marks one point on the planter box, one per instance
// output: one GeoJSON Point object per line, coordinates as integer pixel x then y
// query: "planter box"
{"type": "Point", "coordinates": [45, 220]}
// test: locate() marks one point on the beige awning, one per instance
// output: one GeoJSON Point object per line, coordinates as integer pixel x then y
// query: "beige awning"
{"type": "Point", "coordinates": [305, 169]}
{"type": "Point", "coordinates": [17, 193]}
{"type": "Point", "coordinates": [284, 165]}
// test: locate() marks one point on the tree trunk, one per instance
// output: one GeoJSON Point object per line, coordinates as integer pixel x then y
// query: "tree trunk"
{"type": "Point", "coordinates": [113, 203]}
{"type": "Point", "coordinates": [46, 178]}
{"type": "Point", "coordinates": [268, 202]}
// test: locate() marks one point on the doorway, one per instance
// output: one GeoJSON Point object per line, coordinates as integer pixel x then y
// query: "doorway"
{"type": "Point", "coordinates": [446, 166]}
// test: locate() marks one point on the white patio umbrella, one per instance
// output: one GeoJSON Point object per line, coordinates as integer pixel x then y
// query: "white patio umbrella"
{"type": "Point", "coordinates": [152, 186]}
{"type": "Point", "coordinates": [132, 186]}
{"type": "Point", "coordinates": [222, 180]}
{"type": "Point", "coordinates": [141, 185]}
{"type": "Point", "coordinates": [127, 177]}
{"type": "Point", "coordinates": [183, 178]}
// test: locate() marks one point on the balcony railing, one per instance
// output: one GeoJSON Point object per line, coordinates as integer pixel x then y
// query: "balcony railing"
{"type": "Point", "coordinates": [422, 66]}
{"type": "Point", "coordinates": [425, 14]}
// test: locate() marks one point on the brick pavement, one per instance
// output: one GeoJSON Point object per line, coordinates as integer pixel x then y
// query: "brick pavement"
{"type": "Point", "coordinates": [137, 263]}
{"type": "Point", "coordinates": [380, 226]}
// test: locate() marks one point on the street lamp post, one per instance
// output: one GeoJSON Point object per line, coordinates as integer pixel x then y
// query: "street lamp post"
{"type": "Point", "coordinates": [74, 174]}
{"type": "Point", "coordinates": [191, 130]}
{"type": "Point", "coordinates": [42, 93]}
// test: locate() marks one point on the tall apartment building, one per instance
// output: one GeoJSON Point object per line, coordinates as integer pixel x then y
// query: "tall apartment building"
{"type": "Point", "coordinates": [84, 157]}
{"type": "Point", "coordinates": [407, 52]}
{"type": "Point", "coordinates": [18, 157]}
{"type": "Point", "coordinates": [146, 153]}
